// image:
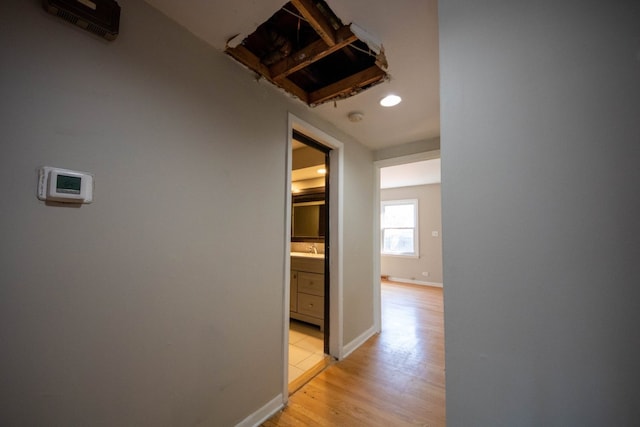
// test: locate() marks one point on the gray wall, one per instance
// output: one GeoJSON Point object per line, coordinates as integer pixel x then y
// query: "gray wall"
{"type": "Point", "coordinates": [430, 219]}
{"type": "Point", "coordinates": [541, 177]}
{"type": "Point", "coordinates": [149, 306]}
{"type": "Point", "coordinates": [358, 241]}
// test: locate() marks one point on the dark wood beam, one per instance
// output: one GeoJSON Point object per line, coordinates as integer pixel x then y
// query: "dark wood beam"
{"type": "Point", "coordinates": [246, 57]}
{"type": "Point", "coordinates": [317, 20]}
{"type": "Point", "coordinates": [311, 53]}
{"type": "Point", "coordinates": [344, 86]}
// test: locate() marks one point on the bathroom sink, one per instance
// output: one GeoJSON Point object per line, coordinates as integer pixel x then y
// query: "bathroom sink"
{"type": "Point", "coordinates": [307, 255]}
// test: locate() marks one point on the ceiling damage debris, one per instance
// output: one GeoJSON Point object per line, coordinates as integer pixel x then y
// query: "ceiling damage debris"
{"type": "Point", "coordinates": [306, 50]}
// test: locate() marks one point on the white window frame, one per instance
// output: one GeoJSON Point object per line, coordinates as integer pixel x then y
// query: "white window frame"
{"type": "Point", "coordinates": [416, 231]}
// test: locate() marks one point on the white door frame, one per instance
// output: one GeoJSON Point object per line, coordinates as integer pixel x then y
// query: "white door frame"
{"type": "Point", "coordinates": [336, 174]}
{"type": "Point", "coordinates": [379, 164]}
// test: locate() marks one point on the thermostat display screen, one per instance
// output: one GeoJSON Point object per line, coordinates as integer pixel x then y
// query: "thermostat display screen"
{"type": "Point", "coordinates": [64, 185]}
{"type": "Point", "coordinates": [68, 184]}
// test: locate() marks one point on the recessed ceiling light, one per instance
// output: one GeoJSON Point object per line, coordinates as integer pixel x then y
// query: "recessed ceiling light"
{"type": "Point", "coordinates": [390, 100]}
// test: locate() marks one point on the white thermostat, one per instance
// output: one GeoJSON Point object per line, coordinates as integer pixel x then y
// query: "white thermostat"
{"type": "Point", "coordinates": [65, 186]}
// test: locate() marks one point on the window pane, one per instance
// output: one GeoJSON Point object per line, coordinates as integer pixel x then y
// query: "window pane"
{"type": "Point", "coordinates": [397, 241]}
{"type": "Point", "coordinates": [398, 216]}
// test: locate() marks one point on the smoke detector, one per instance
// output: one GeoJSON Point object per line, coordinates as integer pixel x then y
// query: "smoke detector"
{"type": "Point", "coordinates": [355, 116]}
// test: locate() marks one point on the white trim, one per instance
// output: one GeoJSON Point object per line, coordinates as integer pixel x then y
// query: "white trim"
{"type": "Point", "coordinates": [336, 191]}
{"type": "Point", "coordinates": [377, 296]}
{"type": "Point", "coordinates": [287, 263]}
{"type": "Point", "coordinates": [361, 339]}
{"type": "Point", "coordinates": [399, 255]}
{"type": "Point", "coordinates": [264, 413]}
{"type": "Point", "coordinates": [336, 340]}
{"type": "Point", "coordinates": [415, 282]}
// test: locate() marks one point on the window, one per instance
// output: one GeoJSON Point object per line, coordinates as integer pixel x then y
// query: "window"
{"type": "Point", "coordinates": [399, 224]}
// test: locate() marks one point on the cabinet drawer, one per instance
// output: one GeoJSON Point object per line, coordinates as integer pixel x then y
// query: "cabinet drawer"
{"type": "Point", "coordinates": [311, 305]}
{"type": "Point", "coordinates": [313, 265]}
{"type": "Point", "coordinates": [311, 283]}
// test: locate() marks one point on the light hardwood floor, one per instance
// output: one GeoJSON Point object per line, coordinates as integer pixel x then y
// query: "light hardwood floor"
{"type": "Point", "coordinates": [395, 379]}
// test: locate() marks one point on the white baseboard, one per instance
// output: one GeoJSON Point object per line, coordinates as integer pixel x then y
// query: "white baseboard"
{"type": "Point", "coordinates": [350, 347]}
{"type": "Point", "coordinates": [415, 282]}
{"type": "Point", "coordinates": [264, 413]}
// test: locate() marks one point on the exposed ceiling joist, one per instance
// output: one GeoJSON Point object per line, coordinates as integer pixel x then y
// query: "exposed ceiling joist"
{"type": "Point", "coordinates": [243, 55]}
{"type": "Point", "coordinates": [312, 53]}
{"type": "Point", "coordinates": [344, 87]}
{"type": "Point", "coordinates": [313, 56]}
{"type": "Point", "coordinates": [316, 20]}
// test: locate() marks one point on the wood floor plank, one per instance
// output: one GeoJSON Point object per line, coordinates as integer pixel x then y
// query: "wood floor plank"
{"type": "Point", "coordinates": [395, 378]}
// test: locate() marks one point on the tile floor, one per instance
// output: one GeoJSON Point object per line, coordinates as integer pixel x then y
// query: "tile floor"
{"type": "Point", "coordinates": [306, 347]}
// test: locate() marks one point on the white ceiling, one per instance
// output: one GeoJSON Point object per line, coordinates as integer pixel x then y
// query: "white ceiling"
{"type": "Point", "coordinates": [408, 30]}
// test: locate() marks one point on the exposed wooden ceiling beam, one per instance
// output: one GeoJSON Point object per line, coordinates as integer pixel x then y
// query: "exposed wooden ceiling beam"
{"type": "Point", "coordinates": [349, 84]}
{"type": "Point", "coordinates": [310, 54]}
{"type": "Point", "coordinates": [246, 57]}
{"type": "Point", "coordinates": [317, 20]}
{"type": "Point", "coordinates": [331, 41]}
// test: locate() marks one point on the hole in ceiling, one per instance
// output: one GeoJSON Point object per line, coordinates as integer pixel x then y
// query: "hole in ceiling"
{"type": "Point", "coordinates": [306, 50]}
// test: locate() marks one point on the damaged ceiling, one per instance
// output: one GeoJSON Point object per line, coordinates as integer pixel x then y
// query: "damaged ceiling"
{"type": "Point", "coordinates": [408, 29]}
{"type": "Point", "coordinates": [305, 49]}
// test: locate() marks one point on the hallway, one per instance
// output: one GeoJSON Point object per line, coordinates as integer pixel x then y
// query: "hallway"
{"type": "Point", "coordinates": [395, 378]}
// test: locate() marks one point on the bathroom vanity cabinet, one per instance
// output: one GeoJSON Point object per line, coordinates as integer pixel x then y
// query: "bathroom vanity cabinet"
{"type": "Point", "coordinates": [307, 290]}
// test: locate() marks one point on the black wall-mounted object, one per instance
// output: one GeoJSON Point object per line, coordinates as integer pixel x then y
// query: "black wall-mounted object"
{"type": "Point", "coordinates": [101, 17]}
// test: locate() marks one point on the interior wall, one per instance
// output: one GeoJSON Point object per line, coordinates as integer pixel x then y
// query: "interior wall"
{"type": "Point", "coordinates": [540, 153]}
{"type": "Point", "coordinates": [430, 247]}
{"type": "Point", "coordinates": [148, 306]}
{"type": "Point", "coordinates": [358, 242]}
{"type": "Point", "coordinates": [407, 149]}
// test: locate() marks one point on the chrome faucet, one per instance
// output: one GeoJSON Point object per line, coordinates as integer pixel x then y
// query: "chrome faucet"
{"type": "Point", "coordinates": [313, 249]}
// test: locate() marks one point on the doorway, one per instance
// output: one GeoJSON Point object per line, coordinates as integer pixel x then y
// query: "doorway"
{"type": "Point", "coordinates": [309, 295]}
{"type": "Point", "coordinates": [424, 265]}
{"type": "Point", "coordinates": [333, 242]}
